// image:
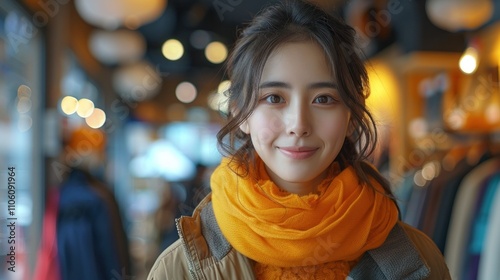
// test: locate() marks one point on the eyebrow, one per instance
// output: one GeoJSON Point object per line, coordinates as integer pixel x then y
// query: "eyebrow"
{"type": "Point", "coordinates": [274, 84]}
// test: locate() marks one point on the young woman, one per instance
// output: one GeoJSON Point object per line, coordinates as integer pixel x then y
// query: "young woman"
{"type": "Point", "coordinates": [294, 198]}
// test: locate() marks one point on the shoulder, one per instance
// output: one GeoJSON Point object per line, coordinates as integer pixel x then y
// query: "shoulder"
{"type": "Point", "coordinates": [428, 251]}
{"type": "Point", "coordinates": [174, 262]}
{"type": "Point", "coordinates": [201, 252]}
{"type": "Point", "coordinates": [407, 253]}
{"type": "Point", "coordinates": [170, 264]}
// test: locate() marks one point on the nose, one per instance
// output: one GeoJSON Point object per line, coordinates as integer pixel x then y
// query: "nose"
{"type": "Point", "coordinates": [299, 123]}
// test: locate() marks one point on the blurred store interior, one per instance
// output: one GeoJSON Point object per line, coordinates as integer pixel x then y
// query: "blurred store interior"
{"type": "Point", "coordinates": [132, 92]}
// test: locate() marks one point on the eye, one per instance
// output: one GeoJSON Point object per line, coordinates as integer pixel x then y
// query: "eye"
{"type": "Point", "coordinates": [324, 99]}
{"type": "Point", "coordinates": [273, 98]}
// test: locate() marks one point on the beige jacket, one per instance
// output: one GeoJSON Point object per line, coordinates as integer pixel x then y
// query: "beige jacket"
{"type": "Point", "coordinates": [202, 252]}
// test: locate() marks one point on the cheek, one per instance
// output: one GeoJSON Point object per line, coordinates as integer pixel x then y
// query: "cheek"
{"type": "Point", "coordinates": [336, 130]}
{"type": "Point", "coordinates": [265, 127]}
{"type": "Point", "coordinates": [264, 136]}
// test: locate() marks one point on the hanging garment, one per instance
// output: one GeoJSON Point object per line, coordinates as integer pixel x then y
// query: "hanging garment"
{"type": "Point", "coordinates": [444, 212]}
{"type": "Point", "coordinates": [488, 266]}
{"type": "Point", "coordinates": [415, 206]}
{"type": "Point", "coordinates": [403, 192]}
{"type": "Point", "coordinates": [480, 225]}
{"type": "Point", "coordinates": [445, 194]}
{"type": "Point", "coordinates": [463, 213]}
{"type": "Point", "coordinates": [434, 194]}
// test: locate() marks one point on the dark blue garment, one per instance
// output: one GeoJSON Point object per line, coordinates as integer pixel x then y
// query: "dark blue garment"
{"type": "Point", "coordinates": [85, 242]}
{"type": "Point", "coordinates": [448, 199]}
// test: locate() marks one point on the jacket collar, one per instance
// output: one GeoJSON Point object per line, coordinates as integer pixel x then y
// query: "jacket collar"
{"type": "Point", "coordinates": [396, 258]}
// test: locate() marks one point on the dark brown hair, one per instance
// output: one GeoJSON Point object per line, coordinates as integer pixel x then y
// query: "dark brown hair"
{"type": "Point", "coordinates": [292, 21]}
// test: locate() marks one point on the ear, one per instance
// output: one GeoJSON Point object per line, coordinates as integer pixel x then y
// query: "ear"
{"type": "Point", "coordinates": [244, 127]}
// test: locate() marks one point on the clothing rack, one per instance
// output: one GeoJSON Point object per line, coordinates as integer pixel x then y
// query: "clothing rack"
{"type": "Point", "coordinates": [454, 207]}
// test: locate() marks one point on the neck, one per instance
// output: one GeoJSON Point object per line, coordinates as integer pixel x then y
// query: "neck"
{"type": "Point", "coordinates": [300, 187]}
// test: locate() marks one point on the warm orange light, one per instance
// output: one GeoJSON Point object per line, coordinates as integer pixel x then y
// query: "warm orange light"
{"type": "Point", "coordinates": [216, 52]}
{"type": "Point", "coordinates": [468, 61]}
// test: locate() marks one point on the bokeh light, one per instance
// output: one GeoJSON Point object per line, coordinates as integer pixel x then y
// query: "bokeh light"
{"type": "Point", "coordinates": [172, 49]}
{"type": "Point", "coordinates": [69, 105]}
{"type": "Point", "coordinates": [96, 119]}
{"type": "Point", "coordinates": [85, 107]}
{"type": "Point", "coordinates": [216, 52]}
{"type": "Point", "coordinates": [186, 92]}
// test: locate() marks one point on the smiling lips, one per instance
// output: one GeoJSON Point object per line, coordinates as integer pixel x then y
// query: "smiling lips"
{"type": "Point", "coordinates": [298, 152]}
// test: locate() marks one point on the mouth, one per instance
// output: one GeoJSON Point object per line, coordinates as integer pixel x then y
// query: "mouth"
{"type": "Point", "coordinates": [298, 152]}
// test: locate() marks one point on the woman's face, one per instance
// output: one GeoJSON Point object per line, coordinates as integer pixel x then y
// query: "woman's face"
{"type": "Point", "coordinates": [300, 122]}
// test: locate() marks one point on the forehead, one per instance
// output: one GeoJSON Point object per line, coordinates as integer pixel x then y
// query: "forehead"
{"type": "Point", "coordinates": [297, 61]}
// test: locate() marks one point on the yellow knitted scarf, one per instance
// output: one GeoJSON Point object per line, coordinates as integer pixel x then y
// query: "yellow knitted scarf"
{"type": "Point", "coordinates": [339, 223]}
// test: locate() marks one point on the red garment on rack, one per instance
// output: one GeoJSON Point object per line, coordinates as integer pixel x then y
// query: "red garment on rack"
{"type": "Point", "coordinates": [47, 266]}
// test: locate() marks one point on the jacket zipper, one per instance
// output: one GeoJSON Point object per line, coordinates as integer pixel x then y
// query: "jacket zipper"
{"type": "Point", "coordinates": [186, 248]}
